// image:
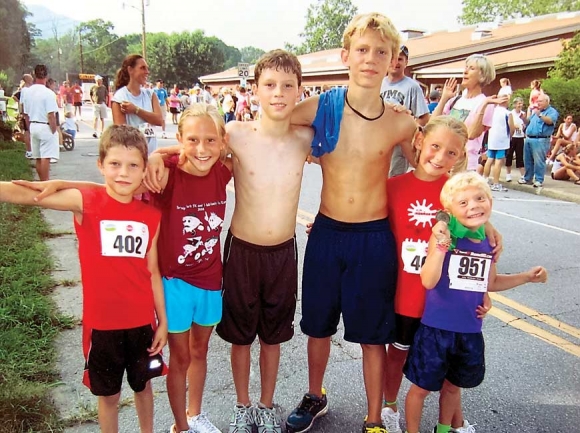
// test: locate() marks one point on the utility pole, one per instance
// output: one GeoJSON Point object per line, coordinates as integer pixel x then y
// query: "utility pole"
{"type": "Point", "coordinates": [81, 48]}
{"type": "Point", "coordinates": [143, 36]}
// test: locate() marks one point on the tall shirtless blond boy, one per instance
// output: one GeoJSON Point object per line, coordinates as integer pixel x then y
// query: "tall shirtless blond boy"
{"type": "Point", "coordinates": [260, 276]}
{"type": "Point", "coordinates": [350, 262]}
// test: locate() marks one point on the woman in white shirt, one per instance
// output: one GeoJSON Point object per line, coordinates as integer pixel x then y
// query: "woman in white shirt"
{"type": "Point", "coordinates": [134, 104]}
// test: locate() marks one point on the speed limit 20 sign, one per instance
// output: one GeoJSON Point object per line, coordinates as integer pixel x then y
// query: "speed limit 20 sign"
{"type": "Point", "coordinates": [243, 70]}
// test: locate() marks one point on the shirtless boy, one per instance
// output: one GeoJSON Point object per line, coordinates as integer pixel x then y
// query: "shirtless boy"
{"type": "Point", "coordinates": [350, 262]}
{"type": "Point", "coordinates": [260, 275]}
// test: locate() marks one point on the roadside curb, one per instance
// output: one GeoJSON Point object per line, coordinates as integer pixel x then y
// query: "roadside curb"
{"type": "Point", "coordinates": [544, 191]}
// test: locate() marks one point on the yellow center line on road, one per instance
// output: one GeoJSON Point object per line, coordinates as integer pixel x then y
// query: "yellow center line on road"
{"type": "Point", "coordinates": [536, 315]}
{"type": "Point", "coordinates": [534, 331]}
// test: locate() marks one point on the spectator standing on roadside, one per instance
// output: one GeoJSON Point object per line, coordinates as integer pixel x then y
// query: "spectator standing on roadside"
{"type": "Point", "coordinates": [133, 103]}
{"type": "Point", "coordinates": [405, 91]}
{"type": "Point", "coordinates": [517, 141]}
{"type": "Point", "coordinates": [162, 98]}
{"type": "Point", "coordinates": [41, 108]}
{"type": "Point", "coordinates": [99, 99]}
{"type": "Point", "coordinates": [537, 143]}
{"type": "Point", "coordinates": [25, 83]}
{"type": "Point", "coordinates": [77, 92]}
{"type": "Point", "coordinates": [434, 97]}
{"type": "Point", "coordinates": [228, 105]}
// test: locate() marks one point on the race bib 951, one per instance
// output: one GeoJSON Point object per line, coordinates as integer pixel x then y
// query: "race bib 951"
{"type": "Point", "coordinates": [469, 271]}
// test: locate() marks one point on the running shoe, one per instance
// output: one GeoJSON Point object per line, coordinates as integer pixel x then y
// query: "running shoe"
{"type": "Point", "coordinates": [95, 135]}
{"type": "Point", "coordinates": [498, 187]}
{"type": "Point", "coordinates": [522, 181]}
{"type": "Point", "coordinates": [174, 430]}
{"type": "Point", "coordinates": [163, 135]}
{"type": "Point", "coordinates": [267, 420]}
{"type": "Point", "coordinates": [373, 428]}
{"type": "Point", "coordinates": [201, 424]}
{"type": "Point", "coordinates": [242, 419]}
{"type": "Point", "coordinates": [391, 420]}
{"type": "Point", "coordinates": [538, 184]}
{"type": "Point", "coordinates": [28, 155]}
{"type": "Point", "coordinates": [508, 177]}
{"type": "Point", "coordinates": [467, 428]}
{"type": "Point", "coordinates": [310, 408]}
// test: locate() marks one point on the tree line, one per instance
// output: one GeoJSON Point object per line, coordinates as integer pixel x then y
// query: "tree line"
{"type": "Point", "coordinates": [94, 47]}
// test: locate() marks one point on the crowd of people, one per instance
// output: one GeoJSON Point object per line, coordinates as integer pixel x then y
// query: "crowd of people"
{"type": "Point", "coordinates": [395, 280]}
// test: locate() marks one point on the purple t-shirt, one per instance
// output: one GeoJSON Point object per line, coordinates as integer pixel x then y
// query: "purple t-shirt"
{"type": "Point", "coordinates": [453, 309]}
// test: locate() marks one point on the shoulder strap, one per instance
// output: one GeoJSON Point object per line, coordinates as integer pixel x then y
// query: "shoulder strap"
{"type": "Point", "coordinates": [454, 101]}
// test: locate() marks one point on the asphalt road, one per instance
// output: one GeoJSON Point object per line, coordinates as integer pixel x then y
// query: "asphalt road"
{"type": "Point", "coordinates": [532, 333]}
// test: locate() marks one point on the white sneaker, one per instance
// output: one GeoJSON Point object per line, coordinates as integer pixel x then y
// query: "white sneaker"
{"type": "Point", "coordinates": [508, 177]}
{"type": "Point", "coordinates": [390, 420]}
{"type": "Point", "coordinates": [163, 135]}
{"type": "Point", "coordinates": [522, 181]}
{"type": "Point", "coordinates": [467, 428]}
{"type": "Point", "coordinates": [498, 187]}
{"type": "Point", "coordinates": [201, 424]}
{"type": "Point", "coordinates": [549, 162]}
{"type": "Point", "coordinates": [28, 155]}
{"type": "Point", "coordinates": [267, 420]}
{"type": "Point", "coordinates": [537, 184]}
{"type": "Point", "coordinates": [53, 160]}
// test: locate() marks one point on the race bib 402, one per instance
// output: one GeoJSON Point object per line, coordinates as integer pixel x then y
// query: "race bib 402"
{"type": "Point", "coordinates": [124, 238]}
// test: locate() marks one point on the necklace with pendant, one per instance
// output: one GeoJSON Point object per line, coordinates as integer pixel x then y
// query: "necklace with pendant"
{"type": "Point", "coordinates": [358, 113]}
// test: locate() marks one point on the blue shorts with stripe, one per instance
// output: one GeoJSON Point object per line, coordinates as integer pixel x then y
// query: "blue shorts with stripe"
{"type": "Point", "coordinates": [186, 304]}
{"type": "Point", "coordinates": [350, 269]}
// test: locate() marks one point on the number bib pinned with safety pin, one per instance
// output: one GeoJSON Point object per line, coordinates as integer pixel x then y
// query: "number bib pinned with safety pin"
{"type": "Point", "coordinates": [124, 238]}
{"type": "Point", "coordinates": [469, 271]}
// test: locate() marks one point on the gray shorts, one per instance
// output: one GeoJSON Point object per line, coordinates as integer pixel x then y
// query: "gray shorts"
{"type": "Point", "coordinates": [100, 111]}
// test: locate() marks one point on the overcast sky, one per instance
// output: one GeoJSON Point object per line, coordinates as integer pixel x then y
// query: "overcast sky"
{"type": "Point", "coordinates": [265, 24]}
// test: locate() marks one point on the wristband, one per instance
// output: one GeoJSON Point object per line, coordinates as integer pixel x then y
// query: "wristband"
{"type": "Point", "coordinates": [136, 110]}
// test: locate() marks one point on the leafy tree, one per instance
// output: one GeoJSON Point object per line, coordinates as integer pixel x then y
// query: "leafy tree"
{"type": "Point", "coordinates": [477, 11]}
{"type": "Point", "coordinates": [326, 21]}
{"type": "Point", "coordinates": [251, 54]}
{"type": "Point", "coordinates": [103, 50]}
{"type": "Point", "coordinates": [15, 38]}
{"type": "Point", "coordinates": [567, 65]}
{"type": "Point", "coordinates": [181, 58]}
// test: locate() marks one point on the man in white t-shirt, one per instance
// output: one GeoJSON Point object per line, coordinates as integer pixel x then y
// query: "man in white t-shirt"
{"type": "Point", "coordinates": [403, 90]}
{"type": "Point", "coordinates": [498, 143]}
{"type": "Point", "coordinates": [41, 108]}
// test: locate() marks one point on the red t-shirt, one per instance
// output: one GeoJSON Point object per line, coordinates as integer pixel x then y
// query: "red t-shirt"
{"type": "Point", "coordinates": [77, 93]}
{"type": "Point", "coordinates": [193, 209]}
{"type": "Point", "coordinates": [413, 204]}
{"type": "Point", "coordinates": [114, 239]}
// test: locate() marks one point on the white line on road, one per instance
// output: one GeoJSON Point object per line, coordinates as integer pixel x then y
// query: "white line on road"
{"type": "Point", "coordinates": [525, 200]}
{"type": "Point", "coordinates": [538, 223]}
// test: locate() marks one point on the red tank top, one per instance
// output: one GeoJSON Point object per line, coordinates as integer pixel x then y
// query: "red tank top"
{"type": "Point", "coordinates": [114, 239]}
{"type": "Point", "coordinates": [412, 204]}
{"type": "Point", "coordinates": [193, 209]}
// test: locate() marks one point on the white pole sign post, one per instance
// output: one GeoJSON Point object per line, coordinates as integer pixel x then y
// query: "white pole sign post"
{"type": "Point", "coordinates": [243, 73]}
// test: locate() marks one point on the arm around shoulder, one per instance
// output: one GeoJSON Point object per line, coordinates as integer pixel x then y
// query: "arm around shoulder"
{"type": "Point", "coordinates": [305, 112]}
{"type": "Point", "coordinates": [65, 200]}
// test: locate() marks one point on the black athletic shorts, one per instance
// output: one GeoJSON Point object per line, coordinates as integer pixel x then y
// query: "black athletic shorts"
{"type": "Point", "coordinates": [260, 284]}
{"type": "Point", "coordinates": [405, 330]}
{"type": "Point", "coordinates": [109, 353]}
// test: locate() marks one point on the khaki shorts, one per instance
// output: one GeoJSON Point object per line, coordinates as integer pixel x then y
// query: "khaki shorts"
{"type": "Point", "coordinates": [43, 142]}
{"type": "Point", "coordinates": [100, 111]}
{"type": "Point", "coordinates": [164, 112]}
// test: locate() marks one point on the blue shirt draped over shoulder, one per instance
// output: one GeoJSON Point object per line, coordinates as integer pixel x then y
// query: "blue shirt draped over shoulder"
{"type": "Point", "coordinates": [327, 121]}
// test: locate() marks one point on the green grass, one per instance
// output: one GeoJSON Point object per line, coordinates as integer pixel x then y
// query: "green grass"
{"type": "Point", "coordinates": [29, 322]}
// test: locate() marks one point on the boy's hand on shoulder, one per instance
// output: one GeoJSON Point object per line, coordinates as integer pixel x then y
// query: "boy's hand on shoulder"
{"type": "Point", "coordinates": [398, 108]}
{"type": "Point", "coordinates": [538, 274]}
{"type": "Point", "coordinates": [154, 173]}
{"type": "Point", "coordinates": [46, 188]}
{"type": "Point", "coordinates": [159, 340]}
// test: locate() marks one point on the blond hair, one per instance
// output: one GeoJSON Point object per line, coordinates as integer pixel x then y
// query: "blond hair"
{"type": "Point", "coordinates": [460, 182]}
{"type": "Point", "coordinates": [455, 126]}
{"type": "Point", "coordinates": [373, 21]}
{"type": "Point", "coordinates": [122, 135]}
{"type": "Point", "coordinates": [485, 66]}
{"type": "Point", "coordinates": [204, 110]}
